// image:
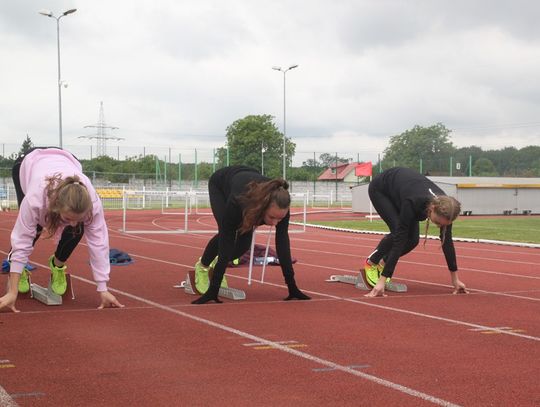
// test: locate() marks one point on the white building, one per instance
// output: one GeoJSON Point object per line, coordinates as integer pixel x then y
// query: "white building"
{"type": "Point", "coordinates": [478, 195]}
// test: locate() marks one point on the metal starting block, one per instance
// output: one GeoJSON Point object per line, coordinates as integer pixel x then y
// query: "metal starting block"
{"type": "Point", "coordinates": [47, 296]}
{"type": "Point", "coordinates": [361, 284]}
{"type": "Point", "coordinates": [356, 281]}
{"type": "Point", "coordinates": [231, 293]}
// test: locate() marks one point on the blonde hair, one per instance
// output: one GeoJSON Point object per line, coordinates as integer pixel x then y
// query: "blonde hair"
{"type": "Point", "coordinates": [258, 198]}
{"type": "Point", "coordinates": [446, 207]}
{"type": "Point", "coordinates": [65, 195]}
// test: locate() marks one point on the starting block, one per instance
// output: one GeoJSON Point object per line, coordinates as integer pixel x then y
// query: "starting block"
{"type": "Point", "coordinates": [47, 296]}
{"type": "Point", "coordinates": [189, 288]}
{"type": "Point", "coordinates": [360, 283]}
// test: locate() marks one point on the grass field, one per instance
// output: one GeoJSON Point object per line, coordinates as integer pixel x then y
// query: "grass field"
{"type": "Point", "coordinates": [510, 229]}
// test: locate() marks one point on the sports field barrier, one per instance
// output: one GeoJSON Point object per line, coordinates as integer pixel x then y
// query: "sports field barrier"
{"type": "Point", "coordinates": [183, 204]}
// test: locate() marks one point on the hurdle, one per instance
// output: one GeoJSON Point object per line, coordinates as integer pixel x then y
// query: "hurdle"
{"type": "Point", "coordinates": [265, 261]}
{"type": "Point", "coordinates": [188, 198]}
{"type": "Point", "coordinates": [227, 292]}
{"type": "Point", "coordinates": [360, 283]}
{"type": "Point", "coordinates": [47, 296]}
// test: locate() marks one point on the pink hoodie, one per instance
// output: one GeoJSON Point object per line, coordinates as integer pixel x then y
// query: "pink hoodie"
{"type": "Point", "coordinates": [35, 168]}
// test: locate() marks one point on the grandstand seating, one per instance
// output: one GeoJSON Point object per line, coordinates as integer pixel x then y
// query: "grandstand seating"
{"type": "Point", "coordinates": [109, 193]}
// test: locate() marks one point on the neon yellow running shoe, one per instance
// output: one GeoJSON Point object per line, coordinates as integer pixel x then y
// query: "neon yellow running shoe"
{"type": "Point", "coordinates": [58, 277]}
{"type": "Point", "coordinates": [211, 267]}
{"type": "Point", "coordinates": [380, 269]}
{"type": "Point", "coordinates": [372, 273]}
{"type": "Point", "coordinates": [24, 282]}
{"type": "Point", "coordinates": [202, 279]}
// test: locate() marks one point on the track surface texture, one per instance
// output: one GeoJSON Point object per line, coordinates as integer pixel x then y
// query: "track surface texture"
{"type": "Point", "coordinates": [419, 348]}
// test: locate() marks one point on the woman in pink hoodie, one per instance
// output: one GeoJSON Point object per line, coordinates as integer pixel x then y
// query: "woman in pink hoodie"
{"type": "Point", "coordinates": [54, 195]}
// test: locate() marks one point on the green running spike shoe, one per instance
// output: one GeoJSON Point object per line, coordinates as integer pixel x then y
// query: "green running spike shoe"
{"type": "Point", "coordinates": [372, 273]}
{"type": "Point", "coordinates": [202, 279]}
{"type": "Point", "coordinates": [58, 277]}
{"type": "Point", "coordinates": [211, 267]}
{"type": "Point", "coordinates": [24, 282]}
{"type": "Point", "coordinates": [380, 269]}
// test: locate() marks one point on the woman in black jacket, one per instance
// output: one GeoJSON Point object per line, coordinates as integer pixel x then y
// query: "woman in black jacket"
{"type": "Point", "coordinates": [242, 199]}
{"type": "Point", "coordinates": [402, 198]}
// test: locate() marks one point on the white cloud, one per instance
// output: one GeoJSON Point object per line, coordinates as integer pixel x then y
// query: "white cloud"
{"type": "Point", "coordinates": [176, 74]}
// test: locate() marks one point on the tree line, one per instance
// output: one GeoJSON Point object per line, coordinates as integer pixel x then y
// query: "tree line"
{"type": "Point", "coordinates": [256, 141]}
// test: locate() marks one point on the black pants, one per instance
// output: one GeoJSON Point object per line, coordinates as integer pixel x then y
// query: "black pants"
{"type": "Point", "coordinates": [71, 235]}
{"type": "Point", "coordinates": [218, 201]}
{"type": "Point", "coordinates": [390, 214]}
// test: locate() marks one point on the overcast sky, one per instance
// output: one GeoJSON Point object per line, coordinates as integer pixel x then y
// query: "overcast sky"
{"type": "Point", "coordinates": [176, 73]}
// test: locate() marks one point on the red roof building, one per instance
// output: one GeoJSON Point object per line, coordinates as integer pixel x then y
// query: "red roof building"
{"type": "Point", "coordinates": [343, 172]}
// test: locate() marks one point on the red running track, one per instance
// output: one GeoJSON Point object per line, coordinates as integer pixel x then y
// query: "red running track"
{"type": "Point", "coordinates": [423, 347]}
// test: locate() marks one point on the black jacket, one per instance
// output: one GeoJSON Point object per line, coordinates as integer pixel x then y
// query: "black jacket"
{"type": "Point", "coordinates": [410, 192]}
{"type": "Point", "coordinates": [232, 182]}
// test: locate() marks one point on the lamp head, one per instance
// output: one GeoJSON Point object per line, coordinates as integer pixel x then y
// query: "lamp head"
{"type": "Point", "coordinates": [276, 68]}
{"type": "Point", "coordinates": [73, 10]}
{"type": "Point", "coordinates": [293, 66]}
{"type": "Point", "coordinates": [46, 13]}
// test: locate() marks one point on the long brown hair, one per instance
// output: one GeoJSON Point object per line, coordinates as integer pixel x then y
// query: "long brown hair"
{"type": "Point", "coordinates": [65, 195]}
{"type": "Point", "coordinates": [446, 207]}
{"type": "Point", "coordinates": [258, 198]}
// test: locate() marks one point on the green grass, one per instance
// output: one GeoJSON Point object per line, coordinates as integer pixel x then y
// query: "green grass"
{"type": "Point", "coordinates": [511, 229]}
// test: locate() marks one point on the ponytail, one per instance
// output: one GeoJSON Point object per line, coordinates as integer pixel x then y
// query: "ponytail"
{"type": "Point", "coordinates": [258, 198]}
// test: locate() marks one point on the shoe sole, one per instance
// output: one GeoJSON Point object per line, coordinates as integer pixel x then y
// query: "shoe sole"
{"type": "Point", "coordinates": [59, 293]}
{"type": "Point", "coordinates": [193, 285]}
{"type": "Point", "coordinates": [364, 278]}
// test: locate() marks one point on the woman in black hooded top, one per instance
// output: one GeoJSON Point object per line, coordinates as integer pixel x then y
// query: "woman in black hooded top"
{"type": "Point", "coordinates": [242, 199]}
{"type": "Point", "coordinates": [402, 198]}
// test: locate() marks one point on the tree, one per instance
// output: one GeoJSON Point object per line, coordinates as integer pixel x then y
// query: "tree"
{"type": "Point", "coordinates": [330, 160]}
{"type": "Point", "coordinates": [526, 161]}
{"type": "Point", "coordinates": [431, 144]}
{"type": "Point", "coordinates": [483, 167]}
{"type": "Point", "coordinates": [256, 141]}
{"type": "Point", "coordinates": [26, 145]}
{"type": "Point", "coordinates": [464, 156]}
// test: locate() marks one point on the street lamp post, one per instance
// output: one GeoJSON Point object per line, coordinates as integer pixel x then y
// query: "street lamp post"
{"type": "Point", "coordinates": [278, 68]}
{"type": "Point", "coordinates": [48, 13]}
{"type": "Point", "coordinates": [263, 149]}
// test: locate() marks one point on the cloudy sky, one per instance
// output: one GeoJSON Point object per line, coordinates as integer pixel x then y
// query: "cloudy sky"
{"type": "Point", "coordinates": [176, 73]}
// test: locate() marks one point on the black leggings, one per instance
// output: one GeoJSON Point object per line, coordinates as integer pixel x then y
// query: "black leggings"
{"type": "Point", "coordinates": [390, 214]}
{"type": "Point", "coordinates": [218, 201]}
{"type": "Point", "coordinates": [71, 235]}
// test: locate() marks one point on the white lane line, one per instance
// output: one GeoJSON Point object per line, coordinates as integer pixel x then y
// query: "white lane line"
{"type": "Point", "coordinates": [6, 400]}
{"type": "Point", "coordinates": [452, 321]}
{"type": "Point", "coordinates": [366, 302]}
{"type": "Point", "coordinates": [370, 303]}
{"type": "Point", "coordinates": [283, 348]}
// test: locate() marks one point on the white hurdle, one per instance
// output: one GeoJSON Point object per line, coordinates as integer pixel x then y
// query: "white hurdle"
{"type": "Point", "coordinates": [190, 198]}
{"type": "Point", "coordinates": [265, 256]}
{"type": "Point", "coordinates": [164, 196]}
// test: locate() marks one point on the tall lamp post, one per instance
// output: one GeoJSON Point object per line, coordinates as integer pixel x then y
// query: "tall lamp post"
{"type": "Point", "coordinates": [278, 68]}
{"type": "Point", "coordinates": [263, 149]}
{"type": "Point", "coordinates": [48, 13]}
